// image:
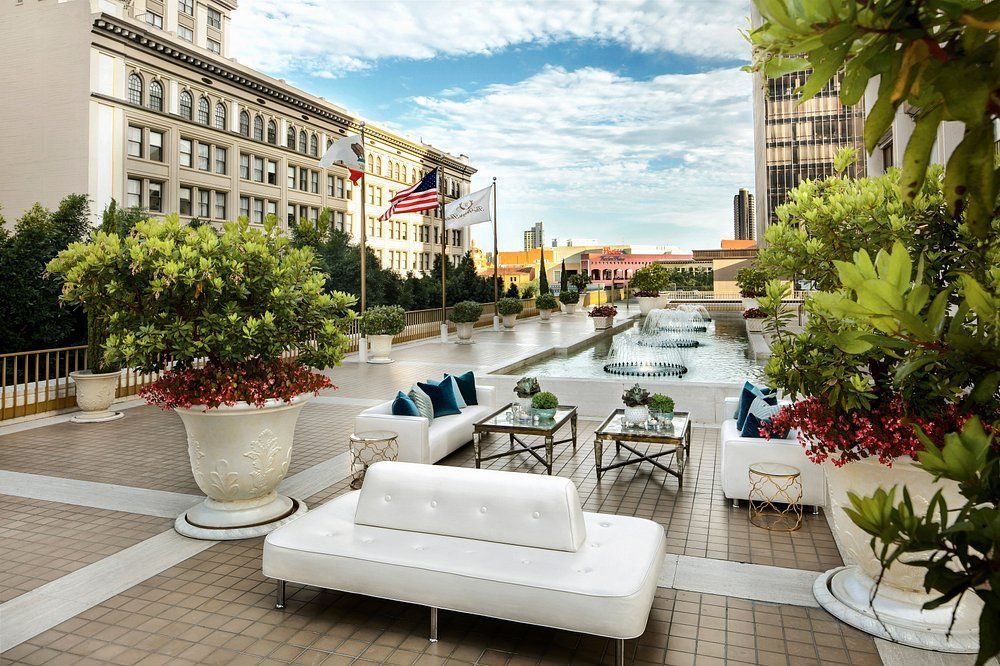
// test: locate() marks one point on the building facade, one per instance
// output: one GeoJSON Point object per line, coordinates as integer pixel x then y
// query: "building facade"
{"type": "Point", "coordinates": [533, 237]}
{"type": "Point", "coordinates": [744, 216]}
{"type": "Point", "coordinates": [614, 267]}
{"type": "Point", "coordinates": [138, 102]}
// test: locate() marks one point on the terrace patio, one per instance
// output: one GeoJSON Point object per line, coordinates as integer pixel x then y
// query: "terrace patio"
{"type": "Point", "coordinates": [94, 573]}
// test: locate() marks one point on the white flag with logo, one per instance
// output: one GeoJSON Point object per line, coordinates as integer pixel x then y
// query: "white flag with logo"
{"type": "Point", "coordinates": [471, 209]}
{"type": "Point", "coordinates": [348, 151]}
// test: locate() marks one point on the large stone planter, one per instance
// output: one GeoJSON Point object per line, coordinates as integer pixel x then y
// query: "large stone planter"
{"type": "Point", "coordinates": [750, 303]}
{"type": "Point", "coordinates": [545, 315]}
{"type": "Point", "coordinates": [754, 325]}
{"type": "Point", "coordinates": [463, 329]}
{"type": "Point", "coordinates": [602, 323]}
{"type": "Point", "coordinates": [649, 303]}
{"type": "Point", "coordinates": [570, 308]}
{"type": "Point", "coordinates": [380, 346]}
{"type": "Point", "coordinates": [509, 321]}
{"type": "Point", "coordinates": [239, 454]}
{"type": "Point", "coordinates": [846, 591]}
{"type": "Point", "coordinates": [94, 395]}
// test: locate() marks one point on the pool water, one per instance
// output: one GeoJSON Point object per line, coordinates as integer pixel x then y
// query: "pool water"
{"type": "Point", "coordinates": [723, 355]}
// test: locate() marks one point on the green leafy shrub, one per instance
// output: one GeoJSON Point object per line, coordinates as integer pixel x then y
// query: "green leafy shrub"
{"type": "Point", "coordinates": [663, 404]}
{"type": "Point", "coordinates": [650, 280]}
{"type": "Point", "coordinates": [546, 302]}
{"type": "Point", "coordinates": [545, 400]}
{"type": "Point", "coordinates": [383, 320]}
{"type": "Point", "coordinates": [466, 312]}
{"type": "Point", "coordinates": [752, 281]}
{"type": "Point", "coordinates": [636, 397]}
{"type": "Point", "coordinates": [509, 306]}
{"type": "Point", "coordinates": [569, 297]}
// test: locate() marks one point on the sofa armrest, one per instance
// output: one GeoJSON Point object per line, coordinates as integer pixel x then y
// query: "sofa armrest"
{"type": "Point", "coordinates": [486, 395]}
{"type": "Point", "coordinates": [412, 434]}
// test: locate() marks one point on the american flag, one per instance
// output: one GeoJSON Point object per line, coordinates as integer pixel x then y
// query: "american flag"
{"type": "Point", "coordinates": [422, 195]}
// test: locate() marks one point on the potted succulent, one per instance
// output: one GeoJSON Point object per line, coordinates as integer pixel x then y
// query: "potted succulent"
{"type": "Point", "coordinates": [545, 404]}
{"type": "Point", "coordinates": [525, 389]}
{"type": "Point", "coordinates": [636, 401]}
{"type": "Point", "coordinates": [218, 315]}
{"type": "Point", "coordinates": [752, 282]}
{"type": "Point", "coordinates": [661, 407]}
{"type": "Point", "coordinates": [546, 303]}
{"type": "Point", "coordinates": [569, 299]}
{"type": "Point", "coordinates": [754, 318]}
{"type": "Point", "coordinates": [379, 325]}
{"type": "Point", "coordinates": [647, 283]}
{"type": "Point", "coordinates": [509, 308]}
{"type": "Point", "coordinates": [603, 316]}
{"type": "Point", "coordinates": [465, 314]}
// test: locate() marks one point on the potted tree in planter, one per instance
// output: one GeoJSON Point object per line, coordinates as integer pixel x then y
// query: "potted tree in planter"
{"type": "Point", "coordinates": [545, 404]}
{"type": "Point", "coordinates": [465, 314]}
{"type": "Point", "coordinates": [752, 281]}
{"type": "Point", "coordinates": [603, 316]}
{"type": "Point", "coordinates": [754, 318]}
{"type": "Point", "coordinates": [379, 325]}
{"type": "Point", "coordinates": [647, 283]}
{"type": "Point", "coordinates": [546, 303]}
{"type": "Point", "coordinates": [235, 322]}
{"type": "Point", "coordinates": [636, 401]}
{"type": "Point", "coordinates": [509, 308]}
{"type": "Point", "coordinates": [569, 299]}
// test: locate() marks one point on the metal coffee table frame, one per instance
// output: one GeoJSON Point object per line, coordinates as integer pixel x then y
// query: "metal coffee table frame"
{"type": "Point", "coordinates": [518, 429]}
{"type": "Point", "coordinates": [678, 441]}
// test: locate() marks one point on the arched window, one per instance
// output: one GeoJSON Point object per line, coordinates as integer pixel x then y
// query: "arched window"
{"type": "Point", "coordinates": [370, 163]}
{"type": "Point", "coordinates": [220, 116]}
{"type": "Point", "coordinates": [244, 123]}
{"type": "Point", "coordinates": [258, 128]}
{"type": "Point", "coordinates": [185, 105]}
{"type": "Point", "coordinates": [378, 165]}
{"type": "Point", "coordinates": [302, 141]}
{"type": "Point", "coordinates": [314, 145]}
{"type": "Point", "coordinates": [290, 137]}
{"type": "Point", "coordinates": [203, 107]}
{"type": "Point", "coordinates": [135, 89]}
{"type": "Point", "coordinates": [396, 172]}
{"type": "Point", "coordinates": [272, 132]}
{"type": "Point", "coordinates": [156, 96]}
{"type": "Point", "coordinates": [404, 174]}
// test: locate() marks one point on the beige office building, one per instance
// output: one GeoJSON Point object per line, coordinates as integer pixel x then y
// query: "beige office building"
{"type": "Point", "coordinates": [138, 102]}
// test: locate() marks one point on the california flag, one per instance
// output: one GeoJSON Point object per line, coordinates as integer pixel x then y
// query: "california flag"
{"type": "Point", "coordinates": [471, 209]}
{"type": "Point", "coordinates": [349, 152]}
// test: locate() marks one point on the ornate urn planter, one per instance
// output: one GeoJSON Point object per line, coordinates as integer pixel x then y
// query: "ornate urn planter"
{"type": "Point", "coordinates": [545, 315]}
{"type": "Point", "coordinates": [239, 454]}
{"type": "Point", "coordinates": [380, 346]}
{"type": "Point", "coordinates": [648, 303]}
{"type": "Point", "coordinates": [846, 591]}
{"type": "Point", "coordinates": [463, 330]}
{"type": "Point", "coordinates": [509, 321]}
{"type": "Point", "coordinates": [94, 395]}
{"type": "Point", "coordinates": [570, 308]}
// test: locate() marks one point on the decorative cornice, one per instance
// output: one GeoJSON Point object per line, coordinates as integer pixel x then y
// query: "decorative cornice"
{"type": "Point", "coordinates": [111, 25]}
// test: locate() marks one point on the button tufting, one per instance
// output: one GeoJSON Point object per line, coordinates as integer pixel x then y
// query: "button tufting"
{"type": "Point", "coordinates": [595, 545]}
{"type": "Point", "coordinates": [366, 540]}
{"type": "Point", "coordinates": [482, 509]}
{"type": "Point", "coordinates": [418, 548]}
{"type": "Point", "coordinates": [605, 524]}
{"type": "Point", "coordinates": [584, 571]}
{"type": "Point", "coordinates": [525, 561]}
{"type": "Point", "coordinates": [388, 498]}
{"type": "Point", "coordinates": [434, 504]}
{"type": "Point", "coordinates": [536, 515]}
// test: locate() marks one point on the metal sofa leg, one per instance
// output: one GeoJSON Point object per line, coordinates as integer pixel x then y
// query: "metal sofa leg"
{"type": "Point", "coordinates": [736, 504]}
{"type": "Point", "coordinates": [815, 509]}
{"type": "Point", "coordinates": [619, 652]}
{"type": "Point", "coordinates": [280, 603]}
{"type": "Point", "coordinates": [434, 625]}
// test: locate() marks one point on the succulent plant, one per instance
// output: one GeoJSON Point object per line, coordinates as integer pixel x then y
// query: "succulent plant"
{"type": "Point", "coordinates": [526, 387]}
{"type": "Point", "coordinates": [636, 397]}
{"type": "Point", "coordinates": [663, 404]}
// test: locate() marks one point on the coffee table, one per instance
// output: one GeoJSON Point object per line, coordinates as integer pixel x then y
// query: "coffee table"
{"type": "Point", "coordinates": [674, 440]}
{"type": "Point", "coordinates": [499, 422]}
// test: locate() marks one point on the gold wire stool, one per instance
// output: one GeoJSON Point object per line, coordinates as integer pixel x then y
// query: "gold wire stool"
{"type": "Point", "coordinates": [368, 448]}
{"type": "Point", "coordinates": [775, 497]}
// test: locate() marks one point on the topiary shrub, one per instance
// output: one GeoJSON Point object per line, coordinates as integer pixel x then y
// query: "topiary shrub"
{"type": "Point", "coordinates": [466, 312]}
{"type": "Point", "coordinates": [509, 306]}
{"type": "Point", "coordinates": [383, 320]}
{"type": "Point", "coordinates": [545, 400]}
{"type": "Point", "coordinates": [546, 302]}
{"type": "Point", "coordinates": [661, 403]}
{"type": "Point", "coordinates": [569, 297]}
{"type": "Point", "coordinates": [650, 280]}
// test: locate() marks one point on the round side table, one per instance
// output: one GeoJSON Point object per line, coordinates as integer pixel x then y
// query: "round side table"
{"type": "Point", "coordinates": [775, 497]}
{"type": "Point", "coordinates": [368, 448]}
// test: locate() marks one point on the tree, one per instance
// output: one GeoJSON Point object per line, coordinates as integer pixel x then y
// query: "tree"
{"type": "Point", "coordinates": [563, 278]}
{"type": "Point", "coordinates": [512, 291]}
{"type": "Point", "coordinates": [543, 279]}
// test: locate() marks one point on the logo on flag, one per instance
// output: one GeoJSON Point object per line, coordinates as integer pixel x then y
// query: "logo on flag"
{"type": "Point", "coordinates": [422, 195]}
{"type": "Point", "coordinates": [471, 209]}
{"type": "Point", "coordinates": [348, 151]}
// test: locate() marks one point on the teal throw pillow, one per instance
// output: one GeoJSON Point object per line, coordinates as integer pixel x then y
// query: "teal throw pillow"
{"type": "Point", "coordinates": [403, 406]}
{"type": "Point", "coordinates": [467, 385]}
{"type": "Point", "coordinates": [761, 410]}
{"type": "Point", "coordinates": [443, 399]}
{"type": "Point", "coordinates": [450, 384]}
{"type": "Point", "coordinates": [747, 395]}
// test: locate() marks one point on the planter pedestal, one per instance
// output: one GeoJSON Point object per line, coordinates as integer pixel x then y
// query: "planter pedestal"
{"type": "Point", "coordinates": [381, 347]}
{"type": "Point", "coordinates": [94, 395]}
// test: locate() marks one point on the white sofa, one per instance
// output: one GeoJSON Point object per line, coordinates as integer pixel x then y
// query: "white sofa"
{"type": "Point", "coordinates": [738, 453]}
{"type": "Point", "coordinates": [499, 544]}
{"type": "Point", "coordinates": [423, 442]}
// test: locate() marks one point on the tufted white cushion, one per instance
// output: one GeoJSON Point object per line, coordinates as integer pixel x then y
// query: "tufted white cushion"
{"type": "Point", "coordinates": [519, 509]}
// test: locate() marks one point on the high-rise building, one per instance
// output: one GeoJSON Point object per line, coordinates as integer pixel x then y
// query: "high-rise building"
{"type": "Point", "coordinates": [533, 236]}
{"type": "Point", "coordinates": [744, 216]}
{"type": "Point", "coordinates": [138, 101]}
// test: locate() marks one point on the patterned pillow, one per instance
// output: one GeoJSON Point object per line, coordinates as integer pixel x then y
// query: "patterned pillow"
{"type": "Point", "coordinates": [422, 401]}
{"type": "Point", "coordinates": [747, 395]}
{"type": "Point", "coordinates": [761, 411]}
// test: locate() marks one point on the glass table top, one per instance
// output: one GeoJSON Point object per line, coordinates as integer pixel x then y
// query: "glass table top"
{"type": "Point", "coordinates": [614, 425]}
{"type": "Point", "coordinates": [503, 418]}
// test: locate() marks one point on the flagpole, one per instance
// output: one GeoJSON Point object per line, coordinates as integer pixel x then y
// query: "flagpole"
{"type": "Point", "coordinates": [496, 259]}
{"type": "Point", "coordinates": [362, 341]}
{"type": "Point", "coordinates": [444, 253]}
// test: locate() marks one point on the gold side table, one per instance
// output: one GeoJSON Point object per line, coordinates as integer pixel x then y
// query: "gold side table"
{"type": "Point", "coordinates": [775, 497]}
{"type": "Point", "coordinates": [368, 448]}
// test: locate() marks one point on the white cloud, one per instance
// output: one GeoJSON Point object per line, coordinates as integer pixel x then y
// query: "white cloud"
{"type": "Point", "coordinates": [594, 153]}
{"type": "Point", "coordinates": [327, 38]}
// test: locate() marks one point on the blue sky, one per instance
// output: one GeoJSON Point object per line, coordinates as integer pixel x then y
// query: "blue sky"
{"type": "Point", "coordinates": [623, 121]}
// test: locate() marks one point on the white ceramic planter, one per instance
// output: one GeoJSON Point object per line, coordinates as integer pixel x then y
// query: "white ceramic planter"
{"type": "Point", "coordinates": [94, 395]}
{"type": "Point", "coordinates": [846, 591]}
{"type": "Point", "coordinates": [239, 454]}
{"type": "Point", "coordinates": [647, 303]}
{"type": "Point", "coordinates": [545, 315]}
{"type": "Point", "coordinates": [750, 303]}
{"type": "Point", "coordinates": [570, 308]}
{"type": "Point", "coordinates": [379, 348]}
{"type": "Point", "coordinates": [463, 330]}
{"type": "Point", "coordinates": [509, 321]}
{"type": "Point", "coordinates": [602, 323]}
{"type": "Point", "coordinates": [637, 415]}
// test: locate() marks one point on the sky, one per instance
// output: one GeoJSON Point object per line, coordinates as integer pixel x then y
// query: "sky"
{"type": "Point", "coordinates": [620, 120]}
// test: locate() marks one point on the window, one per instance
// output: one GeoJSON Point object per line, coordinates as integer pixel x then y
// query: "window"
{"type": "Point", "coordinates": [220, 116]}
{"type": "Point", "coordinates": [314, 146]}
{"type": "Point", "coordinates": [258, 211]}
{"type": "Point", "coordinates": [156, 197]}
{"type": "Point", "coordinates": [395, 171]}
{"type": "Point", "coordinates": [203, 161]}
{"type": "Point", "coordinates": [221, 156]}
{"type": "Point", "coordinates": [245, 207]}
{"type": "Point", "coordinates": [290, 214]}
{"type": "Point", "coordinates": [314, 181]}
{"type": "Point", "coordinates": [290, 137]}
{"type": "Point", "coordinates": [404, 174]}
{"type": "Point", "coordinates": [272, 132]}
{"type": "Point", "coordinates": [379, 192]}
{"type": "Point", "coordinates": [203, 107]}
{"type": "Point", "coordinates": [134, 141]}
{"type": "Point", "coordinates": [244, 166]}
{"type": "Point", "coordinates": [185, 33]}
{"type": "Point", "coordinates": [135, 89]}
{"type": "Point", "coordinates": [204, 203]}
{"type": "Point", "coordinates": [258, 128]}
{"type": "Point", "coordinates": [186, 152]}
{"type": "Point", "coordinates": [220, 205]}
{"type": "Point", "coordinates": [185, 207]}
{"type": "Point", "coordinates": [156, 96]}
{"type": "Point", "coordinates": [291, 178]}
{"type": "Point", "coordinates": [154, 19]}
{"type": "Point", "coordinates": [185, 105]}
{"type": "Point", "coordinates": [371, 194]}
{"type": "Point", "coordinates": [214, 18]}
{"type": "Point", "coordinates": [378, 165]}
{"type": "Point", "coordinates": [133, 193]}
{"type": "Point", "coordinates": [258, 169]}
{"type": "Point", "coordinates": [302, 141]}
{"type": "Point", "coordinates": [272, 208]}
{"type": "Point", "coordinates": [244, 123]}
{"type": "Point", "coordinates": [156, 145]}
{"type": "Point", "coordinates": [329, 186]}
{"type": "Point", "coordinates": [304, 179]}
{"type": "Point", "coordinates": [186, 7]}
{"type": "Point", "coordinates": [272, 173]}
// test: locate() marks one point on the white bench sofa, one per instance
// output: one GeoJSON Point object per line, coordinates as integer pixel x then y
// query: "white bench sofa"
{"type": "Point", "coordinates": [499, 544]}
{"type": "Point", "coordinates": [737, 453]}
{"type": "Point", "coordinates": [423, 442]}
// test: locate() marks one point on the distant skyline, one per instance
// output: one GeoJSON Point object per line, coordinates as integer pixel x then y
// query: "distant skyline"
{"type": "Point", "coordinates": [625, 121]}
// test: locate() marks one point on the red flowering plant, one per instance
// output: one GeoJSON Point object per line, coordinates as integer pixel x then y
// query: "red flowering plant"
{"type": "Point", "coordinates": [604, 311]}
{"type": "Point", "coordinates": [754, 313]}
{"type": "Point", "coordinates": [239, 315]}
